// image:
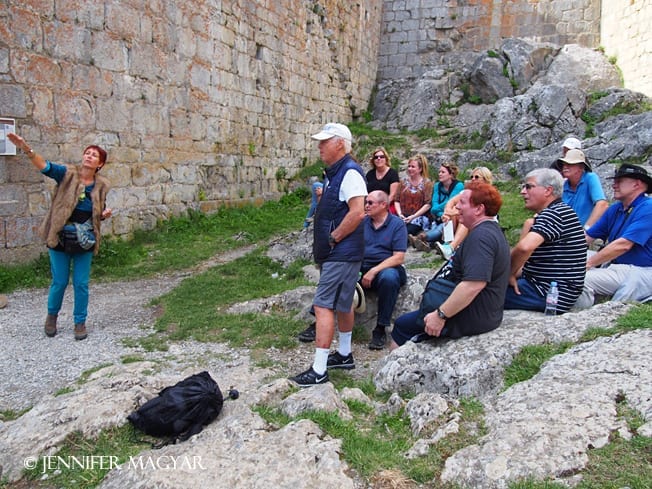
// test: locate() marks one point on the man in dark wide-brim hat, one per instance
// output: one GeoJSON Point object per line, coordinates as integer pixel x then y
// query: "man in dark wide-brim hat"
{"type": "Point", "coordinates": [622, 269]}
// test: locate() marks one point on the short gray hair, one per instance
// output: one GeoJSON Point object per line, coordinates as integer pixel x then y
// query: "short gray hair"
{"type": "Point", "coordinates": [347, 144]}
{"type": "Point", "coordinates": [547, 177]}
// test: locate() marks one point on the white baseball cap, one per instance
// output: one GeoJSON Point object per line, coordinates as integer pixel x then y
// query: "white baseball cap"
{"type": "Point", "coordinates": [572, 143]}
{"type": "Point", "coordinates": [333, 129]}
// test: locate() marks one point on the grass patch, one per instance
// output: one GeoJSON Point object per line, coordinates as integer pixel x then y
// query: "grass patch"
{"type": "Point", "coordinates": [513, 213]}
{"type": "Point", "coordinates": [527, 363]}
{"type": "Point", "coordinates": [120, 442]}
{"type": "Point", "coordinates": [10, 414]}
{"type": "Point", "coordinates": [186, 314]}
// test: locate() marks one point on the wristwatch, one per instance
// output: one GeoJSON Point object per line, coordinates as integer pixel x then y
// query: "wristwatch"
{"type": "Point", "coordinates": [441, 314]}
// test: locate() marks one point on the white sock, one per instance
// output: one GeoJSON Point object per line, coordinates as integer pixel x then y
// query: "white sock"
{"type": "Point", "coordinates": [321, 357]}
{"type": "Point", "coordinates": [344, 343]}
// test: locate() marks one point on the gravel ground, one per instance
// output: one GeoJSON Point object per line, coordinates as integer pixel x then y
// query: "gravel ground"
{"type": "Point", "coordinates": [33, 365]}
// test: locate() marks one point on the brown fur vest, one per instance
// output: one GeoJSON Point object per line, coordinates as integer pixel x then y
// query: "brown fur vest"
{"type": "Point", "coordinates": [64, 201]}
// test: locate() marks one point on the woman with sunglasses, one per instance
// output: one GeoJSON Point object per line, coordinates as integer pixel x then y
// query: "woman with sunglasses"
{"type": "Point", "coordinates": [447, 187]}
{"type": "Point", "coordinates": [382, 176]}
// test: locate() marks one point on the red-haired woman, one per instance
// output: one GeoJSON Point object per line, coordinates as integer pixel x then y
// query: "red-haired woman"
{"type": "Point", "coordinates": [71, 228]}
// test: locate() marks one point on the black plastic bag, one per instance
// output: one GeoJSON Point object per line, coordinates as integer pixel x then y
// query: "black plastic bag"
{"type": "Point", "coordinates": [182, 410]}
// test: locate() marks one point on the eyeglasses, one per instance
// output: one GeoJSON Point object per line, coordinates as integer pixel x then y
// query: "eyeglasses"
{"type": "Point", "coordinates": [528, 186]}
{"type": "Point", "coordinates": [370, 202]}
{"type": "Point", "coordinates": [379, 157]}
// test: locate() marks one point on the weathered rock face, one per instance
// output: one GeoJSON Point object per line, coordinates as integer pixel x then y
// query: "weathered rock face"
{"type": "Point", "coordinates": [553, 93]}
{"type": "Point", "coordinates": [584, 384]}
{"type": "Point", "coordinates": [199, 104]}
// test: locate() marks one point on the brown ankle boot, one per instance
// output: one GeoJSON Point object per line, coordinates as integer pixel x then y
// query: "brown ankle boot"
{"type": "Point", "coordinates": [51, 325]}
{"type": "Point", "coordinates": [80, 331]}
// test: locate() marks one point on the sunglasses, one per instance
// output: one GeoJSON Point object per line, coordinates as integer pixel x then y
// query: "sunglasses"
{"type": "Point", "coordinates": [379, 157]}
{"type": "Point", "coordinates": [476, 177]}
{"type": "Point", "coordinates": [370, 202]}
{"type": "Point", "coordinates": [528, 186]}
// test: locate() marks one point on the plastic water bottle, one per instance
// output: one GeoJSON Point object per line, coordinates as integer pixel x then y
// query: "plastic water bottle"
{"type": "Point", "coordinates": [552, 297]}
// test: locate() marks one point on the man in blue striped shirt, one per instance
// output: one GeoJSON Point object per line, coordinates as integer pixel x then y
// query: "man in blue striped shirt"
{"type": "Point", "coordinates": [553, 250]}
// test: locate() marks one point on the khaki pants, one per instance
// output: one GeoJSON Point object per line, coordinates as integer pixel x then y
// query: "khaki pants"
{"type": "Point", "coordinates": [620, 282]}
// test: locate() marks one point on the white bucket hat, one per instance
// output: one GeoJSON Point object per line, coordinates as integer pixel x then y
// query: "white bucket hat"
{"type": "Point", "coordinates": [359, 304]}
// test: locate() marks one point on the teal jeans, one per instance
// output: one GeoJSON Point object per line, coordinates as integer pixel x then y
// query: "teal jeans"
{"type": "Point", "coordinates": [81, 272]}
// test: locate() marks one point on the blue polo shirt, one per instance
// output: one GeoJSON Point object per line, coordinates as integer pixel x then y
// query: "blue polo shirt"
{"type": "Point", "coordinates": [585, 196]}
{"type": "Point", "coordinates": [381, 243]}
{"type": "Point", "coordinates": [633, 224]}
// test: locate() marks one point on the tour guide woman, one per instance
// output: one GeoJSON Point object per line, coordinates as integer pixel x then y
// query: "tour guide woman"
{"type": "Point", "coordinates": [71, 228]}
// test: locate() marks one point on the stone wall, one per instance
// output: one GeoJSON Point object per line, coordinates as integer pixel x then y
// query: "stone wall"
{"type": "Point", "coordinates": [418, 34]}
{"type": "Point", "coordinates": [626, 35]}
{"type": "Point", "coordinates": [199, 104]}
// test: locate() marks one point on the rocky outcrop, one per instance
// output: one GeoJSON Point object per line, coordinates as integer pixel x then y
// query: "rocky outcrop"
{"type": "Point", "coordinates": [524, 100]}
{"type": "Point", "coordinates": [474, 365]}
{"type": "Point", "coordinates": [541, 428]}
{"type": "Point", "coordinates": [556, 417]}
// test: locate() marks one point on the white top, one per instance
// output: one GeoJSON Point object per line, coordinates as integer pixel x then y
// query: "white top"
{"type": "Point", "coordinates": [353, 185]}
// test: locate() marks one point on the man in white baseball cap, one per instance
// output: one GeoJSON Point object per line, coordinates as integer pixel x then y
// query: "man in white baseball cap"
{"type": "Point", "coordinates": [570, 143]}
{"type": "Point", "coordinates": [333, 129]}
{"type": "Point", "coordinates": [338, 249]}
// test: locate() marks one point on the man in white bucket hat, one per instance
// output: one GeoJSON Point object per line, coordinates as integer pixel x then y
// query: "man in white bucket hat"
{"type": "Point", "coordinates": [582, 188]}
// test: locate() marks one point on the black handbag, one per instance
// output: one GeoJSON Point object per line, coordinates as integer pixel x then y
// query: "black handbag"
{"type": "Point", "coordinates": [436, 292]}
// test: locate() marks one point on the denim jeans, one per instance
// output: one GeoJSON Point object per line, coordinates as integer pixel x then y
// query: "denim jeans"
{"type": "Point", "coordinates": [60, 268]}
{"type": "Point", "coordinates": [530, 299]}
{"type": "Point", "coordinates": [435, 233]}
{"type": "Point", "coordinates": [387, 285]}
{"type": "Point", "coordinates": [313, 202]}
{"type": "Point", "coordinates": [406, 329]}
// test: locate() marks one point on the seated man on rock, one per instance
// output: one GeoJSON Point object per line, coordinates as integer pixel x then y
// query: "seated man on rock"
{"type": "Point", "coordinates": [466, 296]}
{"type": "Point", "coordinates": [385, 243]}
{"type": "Point", "coordinates": [622, 269]}
{"type": "Point", "coordinates": [382, 270]}
{"type": "Point", "coordinates": [553, 250]}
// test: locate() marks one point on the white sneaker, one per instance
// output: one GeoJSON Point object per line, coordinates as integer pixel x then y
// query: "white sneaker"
{"type": "Point", "coordinates": [445, 249]}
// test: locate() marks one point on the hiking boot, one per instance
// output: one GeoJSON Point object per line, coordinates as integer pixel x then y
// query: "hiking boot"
{"type": "Point", "coordinates": [378, 339]}
{"type": "Point", "coordinates": [445, 249]}
{"type": "Point", "coordinates": [310, 377]}
{"type": "Point", "coordinates": [421, 245]}
{"type": "Point", "coordinates": [80, 331]}
{"type": "Point", "coordinates": [51, 325]}
{"type": "Point", "coordinates": [308, 334]}
{"type": "Point", "coordinates": [336, 360]}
